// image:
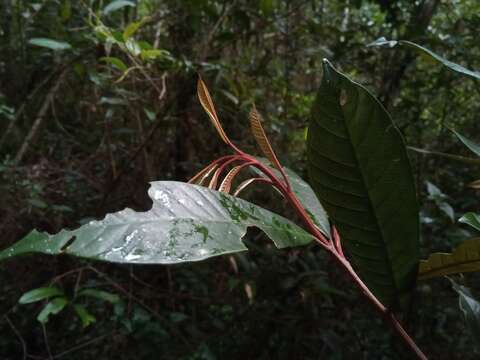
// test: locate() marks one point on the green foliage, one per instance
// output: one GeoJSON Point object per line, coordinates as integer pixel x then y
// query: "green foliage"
{"type": "Point", "coordinates": [186, 223]}
{"type": "Point", "coordinates": [39, 294]}
{"type": "Point", "coordinates": [428, 54]}
{"type": "Point", "coordinates": [471, 219]}
{"type": "Point", "coordinates": [50, 44]}
{"type": "Point", "coordinates": [53, 307]}
{"type": "Point", "coordinates": [360, 171]}
{"type": "Point", "coordinates": [470, 308]}
{"type": "Point", "coordinates": [113, 126]}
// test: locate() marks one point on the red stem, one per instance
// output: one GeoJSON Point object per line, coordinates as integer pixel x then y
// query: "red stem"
{"type": "Point", "coordinates": [334, 248]}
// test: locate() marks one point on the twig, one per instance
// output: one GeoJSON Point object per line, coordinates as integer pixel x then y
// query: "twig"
{"type": "Point", "coordinates": [47, 345]}
{"type": "Point", "coordinates": [82, 345]}
{"type": "Point", "coordinates": [208, 39]}
{"type": "Point", "coordinates": [34, 130]}
{"type": "Point", "coordinates": [18, 335]}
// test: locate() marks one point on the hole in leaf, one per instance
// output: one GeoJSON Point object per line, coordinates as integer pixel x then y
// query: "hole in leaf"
{"type": "Point", "coordinates": [68, 243]}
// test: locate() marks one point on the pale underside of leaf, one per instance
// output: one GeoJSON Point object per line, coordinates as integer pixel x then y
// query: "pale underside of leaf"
{"type": "Point", "coordinates": [186, 223]}
{"type": "Point", "coordinates": [207, 104]}
{"type": "Point", "coordinates": [465, 258]}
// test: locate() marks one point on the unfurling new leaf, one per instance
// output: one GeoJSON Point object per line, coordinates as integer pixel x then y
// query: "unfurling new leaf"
{"type": "Point", "coordinates": [207, 104]}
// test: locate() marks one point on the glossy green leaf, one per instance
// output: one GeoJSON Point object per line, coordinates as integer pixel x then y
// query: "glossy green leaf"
{"type": "Point", "coordinates": [52, 308]}
{"type": "Point", "coordinates": [39, 294]}
{"type": "Point", "coordinates": [84, 315]}
{"type": "Point", "coordinates": [465, 258]}
{"type": "Point", "coordinates": [50, 44]}
{"type": "Point", "coordinates": [100, 294]}
{"type": "Point", "coordinates": [470, 308]}
{"type": "Point", "coordinates": [360, 171]}
{"type": "Point", "coordinates": [428, 53]}
{"type": "Point", "coordinates": [117, 5]}
{"type": "Point", "coordinates": [474, 147]}
{"type": "Point", "coordinates": [186, 223]}
{"type": "Point", "coordinates": [306, 195]}
{"type": "Point", "coordinates": [471, 219]}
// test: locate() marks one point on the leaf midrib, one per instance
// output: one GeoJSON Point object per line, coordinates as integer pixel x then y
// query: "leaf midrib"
{"type": "Point", "coordinates": [361, 170]}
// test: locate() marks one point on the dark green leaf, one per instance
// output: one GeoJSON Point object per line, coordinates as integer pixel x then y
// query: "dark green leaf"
{"type": "Point", "coordinates": [53, 307]}
{"type": "Point", "coordinates": [424, 51]}
{"type": "Point", "coordinates": [458, 158]}
{"type": "Point", "coordinates": [361, 173]}
{"type": "Point", "coordinates": [100, 294]}
{"type": "Point", "coordinates": [186, 223]}
{"type": "Point", "coordinates": [39, 294]}
{"type": "Point", "coordinates": [50, 44]}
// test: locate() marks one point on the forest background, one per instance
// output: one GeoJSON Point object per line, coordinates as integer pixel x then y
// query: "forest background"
{"type": "Point", "coordinates": [97, 98]}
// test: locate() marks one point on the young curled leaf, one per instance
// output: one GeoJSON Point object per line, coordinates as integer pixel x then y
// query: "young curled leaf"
{"type": "Point", "coordinates": [203, 174]}
{"type": "Point", "coordinates": [262, 140]}
{"type": "Point", "coordinates": [207, 104]}
{"type": "Point", "coordinates": [226, 184]}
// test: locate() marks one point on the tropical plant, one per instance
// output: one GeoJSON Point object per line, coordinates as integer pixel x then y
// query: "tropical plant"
{"type": "Point", "coordinates": [349, 136]}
